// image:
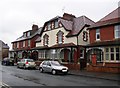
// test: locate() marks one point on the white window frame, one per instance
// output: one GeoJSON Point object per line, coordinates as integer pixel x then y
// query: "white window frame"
{"type": "Point", "coordinates": [28, 34]}
{"type": "Point", "coordinates": [112, 53]}
{"type": "Point", "coordinates": [56, 24]}
{"type": "Point", "coordinates": [28, 42]}
{"type": "Point", "coordinates": [46, 41]}
{"type": "Point", "coordinates": [117, 53]}
{"type": "Point", "coordinates": [81, 53]}
{"type": "Point", "coordinates": [17, 44]}
{"type": "Point", "coordinates": [60, 37]}
{"type": "Point", "coordinates": [97, 33]}
{"type": "Point", "coordinates": [23, 43]}
{"type": "Point", "coordinates": [49, 26]}
{"type": "Point", "coordinates": [109, 53]}
{"type": "Point", "coordinates": [117, 31]}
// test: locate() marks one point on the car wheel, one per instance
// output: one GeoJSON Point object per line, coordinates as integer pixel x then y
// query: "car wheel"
{"type": "Point", "coordinates": [17, 66]}
{"type": "Point", "coordinates": [24, 67]}
{"type": "Point", "coordinates": [53, 72]}
{"type": "Point", "coordinates": [41, 70]}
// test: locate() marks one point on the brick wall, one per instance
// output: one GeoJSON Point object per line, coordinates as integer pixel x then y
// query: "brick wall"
{"type": "Point", "coordinates": [109, 67]}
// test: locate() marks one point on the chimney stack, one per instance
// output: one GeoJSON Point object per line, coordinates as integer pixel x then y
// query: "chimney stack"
{"type": "Point", "coordinates": [68, 16]}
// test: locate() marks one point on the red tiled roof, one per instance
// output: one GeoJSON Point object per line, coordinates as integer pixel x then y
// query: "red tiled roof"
{"type": "Point", "coordinates": [72, 24]}
{"type": "Point", "coordinates": [111, 18]}
{"type": "Point", "coordinates": [67, 24]}
{"type": "Point", "coordinates": [78, 24]}
{"type": "Point", "coordinates": [105, 43]}
{"type": "Point", "coordinates": [56, 46]}
{"type": "Point", "coordinates": [105, 23]}
{"type": "Point", "coordinates": [63, 45]}
{"type": "Point", "coordinates": [114, 14]}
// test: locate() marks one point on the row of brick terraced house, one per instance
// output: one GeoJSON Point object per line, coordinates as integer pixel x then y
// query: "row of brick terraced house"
{"type": "Point", "coordinates": [77, 42]}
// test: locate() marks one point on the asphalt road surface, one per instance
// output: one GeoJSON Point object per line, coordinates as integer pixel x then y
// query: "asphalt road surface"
{"type": "Point", "coordinates": [13, 76]}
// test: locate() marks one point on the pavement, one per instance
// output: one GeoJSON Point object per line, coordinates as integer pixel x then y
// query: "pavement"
{"type": "Point", "coordinates": [99, 75]}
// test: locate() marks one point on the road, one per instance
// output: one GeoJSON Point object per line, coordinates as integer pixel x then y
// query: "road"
{"type": "Point", "coordinates": [13, 76]}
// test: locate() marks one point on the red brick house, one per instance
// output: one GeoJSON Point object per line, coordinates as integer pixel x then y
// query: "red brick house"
{"type": "Point", "coordinates": [22, 46]}
{"type": "Point", "coordinates": [103, 52]}
{"type": "Point", "coordinates": [64, 39]}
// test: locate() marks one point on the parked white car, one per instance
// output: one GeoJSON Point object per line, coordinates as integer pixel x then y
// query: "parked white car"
{"type": "Point", "coordinates": [52, 66]}
{"type": "Point", "coordinates": [26, 63]}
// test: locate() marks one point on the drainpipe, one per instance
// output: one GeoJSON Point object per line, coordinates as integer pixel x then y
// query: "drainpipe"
{"type": "Point", "coordinates": [77, 47]}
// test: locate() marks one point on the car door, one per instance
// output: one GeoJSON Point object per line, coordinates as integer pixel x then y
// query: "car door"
{"type": "Point", "coordinates": [44, 66]}
{"type": "Point", "coordinates": [19, 63]}
{"type": "Point", "coordinates": [48, 67]}
{"type": "Point", "coordinates": [22, 63]}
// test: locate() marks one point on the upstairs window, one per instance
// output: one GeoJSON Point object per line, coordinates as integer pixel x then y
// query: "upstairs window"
{"type": "Point", "coordinates": [46, 28]}
{"type": "Point", "coordinates": [28, 34]}
{"type": "Point", "coordinates": [81, 53]}
{"type": "Point", "coordinates": [60, 37]}
{"type": "Point", "coordinates": [49, 26]}
{"type": "Point", "coordinates": [28, 42]}
{"type": "Point", "coordinates": [97, 34]}
{"type": "Point", "coordinates": [52, 25]}
{"type": "Point", "coordinates": [117, 31]}
{"type": "Point", "coordinates": [23, 43]}
{"type": "Point", "coordinates": [24, 35]}
{"type": "Point", "coordinates": [45, 39]}
{"type": "Point", "coordinates": [85, 36]}
{"type": "Point", "coordinates": [56, 24]}
{"type": "Point", "coordinates": [17, 44]}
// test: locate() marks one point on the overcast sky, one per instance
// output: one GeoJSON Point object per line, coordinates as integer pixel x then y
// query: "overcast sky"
{"type": "Point", "coordinates": [17, 16]}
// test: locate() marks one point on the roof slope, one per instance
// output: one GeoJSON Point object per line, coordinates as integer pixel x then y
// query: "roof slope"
{"type": "Point", "coordinates": [78, 24]}
{"type": "Point", "coordinates": [111, 18]}
{"type": "Point", "coordinates": [112, 15]}
{"type": "Point", "coordinates": [4, 46]}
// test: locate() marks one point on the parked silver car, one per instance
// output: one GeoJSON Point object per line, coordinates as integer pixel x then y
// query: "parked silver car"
{"type": "Point", "coordinates": [26, 63]}
{"type": "Point", "coordinates": [52, 66]}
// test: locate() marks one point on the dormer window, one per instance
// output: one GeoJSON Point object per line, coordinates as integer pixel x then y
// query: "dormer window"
{"type": "Point", "coordinates": [49, 26]}
{"type": "Point", "coordinates": [28, 34]}
{"type": "Point", "coordinates": [24, 35]}
{"type": "Point", "coordinates": [60, 37]}
{"type": "Point", "coordinates": [46, 28]}
{"type": "Point", "coordinates": [56, 23]}
{"type": "Point", "coordinates": [45, 39]}
{"type": "Point", "coordinates": [52, 25]}
{"type": "Point", "coordinates": [60, 25]}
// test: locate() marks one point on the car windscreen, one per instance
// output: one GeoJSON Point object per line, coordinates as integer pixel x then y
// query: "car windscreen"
{"type": "Point", "coordinates": [30, 60]}
{"type": "Point", "coordinates": [56, 63]}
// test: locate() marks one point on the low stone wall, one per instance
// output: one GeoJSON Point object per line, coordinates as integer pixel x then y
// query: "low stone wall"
{"type": "Point", "coordinates": [72, 66]}
{"type": "Point", "coordinates": [108, 67]}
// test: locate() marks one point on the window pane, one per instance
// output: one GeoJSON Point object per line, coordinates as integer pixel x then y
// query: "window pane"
{"type": "Point", "coordinates": [112, 49]}
{"type": "Point", "coordinates": [107, 49]}
{"type": "Point", "coordinates": [49, 26]}
{"type": "Point", "coordinates": [56, 24]}
{"type": "Point", "coordinates": [112, 56]}
{"type": "Point", "coordinates": [81, 53]}
{"type": "Point", "coordinates": [117, 49]}
{"type": "Point", "coordinates": [107, 56]}
{"type": "Point", "coordinates": [117, 56]}
{"type": "Point", "coordinates": [97, 30]}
